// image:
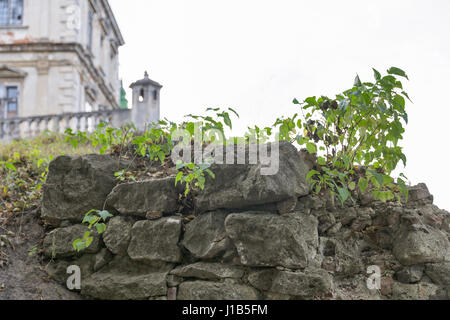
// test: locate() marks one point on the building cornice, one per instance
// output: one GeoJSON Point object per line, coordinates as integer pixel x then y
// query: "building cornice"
{"type": "Point", "coordinates": [73, 47]}
{"type": "Point", "coordinates": [113, 21]}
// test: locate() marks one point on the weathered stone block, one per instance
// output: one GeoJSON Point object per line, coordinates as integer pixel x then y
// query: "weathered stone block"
{"type": "Point", "coordinates": [59, 242]}
{"type": "Point", "coordinates": [419, 244]}
{"type": "Point", "coordinates": [140, 198]}
{"type": "Point", "coordinates": [210, 271]}
{"type": "Point", "coordinates": [439, 273]}
{"type": "Point", "coordinates": [118, 234]}
{"type": "Point", "coordinates": [271, 240]}
{"type": "Point", "coordinates": [206, 290]}
{"type": "Point", "coordinates": [124, 279]}
{"type": "Point", "coordinates": [153, 241]}
{"type": "Point", "coordinates": [205, 236]}
{"type": "Point", "coordinates": [310, 283]}
{"type": "Point", "coordinates": [243, 185]}
{"type": "Point", "coordinates": [77, 185]}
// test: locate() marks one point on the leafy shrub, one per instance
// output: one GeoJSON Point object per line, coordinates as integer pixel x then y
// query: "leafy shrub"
{"type": "Point", "coordinates": [193, 175]}
{"type": "Point", "coordinates": [355, 136]}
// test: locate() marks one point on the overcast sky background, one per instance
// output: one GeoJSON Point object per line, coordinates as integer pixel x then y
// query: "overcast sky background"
{"type": "Point", "coordinates": [257, 55]}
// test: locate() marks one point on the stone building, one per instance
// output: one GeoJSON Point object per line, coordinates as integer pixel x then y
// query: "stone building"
{"type": "Point", "coordinates": [58, 56]}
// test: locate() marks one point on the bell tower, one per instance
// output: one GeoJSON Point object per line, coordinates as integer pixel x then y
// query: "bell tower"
{"type": "Point", "coordinates": [146, 100]}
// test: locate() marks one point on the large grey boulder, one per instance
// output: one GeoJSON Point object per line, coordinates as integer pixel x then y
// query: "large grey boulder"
{"type": "Point", "coordinates": [77, 185]}
{"type": "Point", "coordinates": [269, 240]}
{"type": "Point", "coordinates": [124, 279]}
{"type": "Point", "coordinates": [410, 274]}
{"type": "Point", "coordinates": [309, 283]}
{"type": "Point", "coordinates": [244, 185]}
{"type": "Point", "coordinates": [59, 242]}
{"type": "Point", "coordinates": [140, 198]}
{"type": "Point", "coordinates": [419, 291]}
{"type": "Point", "coordinates": [418, 243]}
{"type": "Point", "coordinates": [207, 270]}
{"type": "Point", "coordinates": [118, 234]}
{"type": "Point", "coordinates": [153, 241]}
{"type": "Point", "coordinates": [205, 236]}
{"type": "Point", "coordinates": [207, 290]}
{"type": "Point", "coordinates": [419, 193]}
{"type": "Point", "coordinates": [88, 264]}
{"type": "Point", "coordinates": [439, 273]}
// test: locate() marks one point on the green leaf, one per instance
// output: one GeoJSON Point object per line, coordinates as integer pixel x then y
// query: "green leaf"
{"type": "Point", "coordinates": [75, 244]}
{"type": "Point", "coordinates": [321, 161]}
{"type": "Point", "coordinates": [398, 72]}
{"type": "Point", "coordinates": [88, 218]}
{"type": "Point", "coordinates": [89, 241]}
{"type": "Point", "coordinates": [377, 75]}
{"type": "Point", "coordinates": [80, 246]}
{"type": "Point", "coordinates": [232, 110]}
{"type": "Point", "coordinates": [311, 174]}
{"type": "Point", "coordinates": [352, 186]}
{"type": "Point", "coordinates": [311, 147]}
{"type": "Point", "coordinates": [311, 101]}
{"type": "Point", "coordinates": [211, 173]}
{"type": "Point", "coordinates": [227, 120]}
{"type": "Point", "coordinates": [105, 215]}
{"type": "Point", "coordinates": [178, 178]}
{"type": "Point", "coordinates": [343, 194]}
{"type": "Point", "coordinates": [363, 184]}
{"type": "Point", "coordinates": [10, 166]}
{"type": "Point", "coordinates": [101, 227]}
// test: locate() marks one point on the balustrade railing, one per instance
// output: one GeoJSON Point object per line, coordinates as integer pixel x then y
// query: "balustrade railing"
{"type": "Point", "coordinates": [21, 127]}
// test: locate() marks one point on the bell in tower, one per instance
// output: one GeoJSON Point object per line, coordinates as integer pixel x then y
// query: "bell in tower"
{"type": "Point", "coordinates": [145, 102]}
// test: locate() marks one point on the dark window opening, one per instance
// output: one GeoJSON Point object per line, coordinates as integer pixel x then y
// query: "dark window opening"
{"type": "Point", "coordinates": [11, 12]}
{"type": "Point", "coordinates": [141, 95]}
{"type": "Point", "coordinates": [155, 95]}
{"type": "Point", "coordinates": [9, 101]}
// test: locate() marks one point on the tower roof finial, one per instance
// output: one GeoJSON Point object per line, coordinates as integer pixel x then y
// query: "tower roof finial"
{"type": "Point", "coordinates": [146, 74]}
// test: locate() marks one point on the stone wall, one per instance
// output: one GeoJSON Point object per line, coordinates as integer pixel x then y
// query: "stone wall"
{"type": "Point", "coordinates": [252, 237]}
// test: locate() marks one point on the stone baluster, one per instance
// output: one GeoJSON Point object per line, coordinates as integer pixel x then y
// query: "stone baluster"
{"type": "Point", "coordinates": [86, 122]}
{"type": "Point", "coordinates": [58, 123]}
{"type": "Point", "coordinates": [47, 123]}
{"type": "Point", "coordinates": [78, 122]}
{"type": "Point", "coordinates": [2, 130]}
{"type": "Point", "coordinates": [16, 129]}
{"type": "Point", "coordinates": [38, 126]}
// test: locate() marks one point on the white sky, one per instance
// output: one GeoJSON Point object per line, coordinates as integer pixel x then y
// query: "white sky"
{"type": "Point", "coordinates": [257, 55]}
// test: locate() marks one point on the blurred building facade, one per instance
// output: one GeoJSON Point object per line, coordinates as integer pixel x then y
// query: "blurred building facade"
{"type": "Point", "coordinates": [58, 56]}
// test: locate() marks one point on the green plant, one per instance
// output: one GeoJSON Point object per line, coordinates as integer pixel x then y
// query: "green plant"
{"type": "Point", "coordinates": [192, 175]}
{"type": "Point", "coordinates": [155, 143]}
{"type": "Point", "coordinates": [356, 135]}
{"type": "Point", "coordinates": [94, 218]}
{"type": "Point", "coordinates": [32, 251]}
{"type": "Point", "coordinates": [124, 175]}
{"type": "Point", "coordinates": [218, 121]}
{"type": "Point", "coordinates": [24, 169]}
